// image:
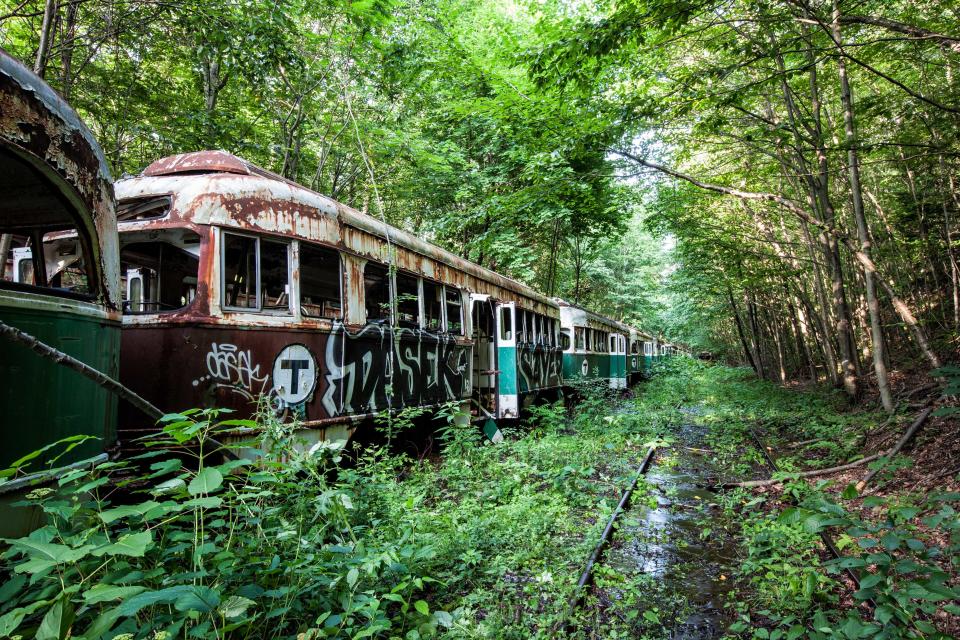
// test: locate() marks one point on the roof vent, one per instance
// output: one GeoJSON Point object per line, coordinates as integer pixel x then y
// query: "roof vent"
{"type": "Point", "coordinates": [198, 162]}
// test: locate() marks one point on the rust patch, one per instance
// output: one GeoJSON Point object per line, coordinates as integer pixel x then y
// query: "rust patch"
{"type": "Point", "coordinates": [198, 162]}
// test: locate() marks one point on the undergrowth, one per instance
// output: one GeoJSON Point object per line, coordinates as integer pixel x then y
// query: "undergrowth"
{"type": "Point", "coordinates": [485, 542]}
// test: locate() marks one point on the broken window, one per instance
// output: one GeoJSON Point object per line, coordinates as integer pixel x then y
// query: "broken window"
{"type": "Point", "coordinates": [565, 339]}
{"type": "Point", "coordinates": [432, 305]}
{"type": "Point", "coordinates": [506, 322]}
{"type": "Point", "coordinates": [581, 340]}
{"type": "Point", "coordinates": [275, 276]}
{"type": "Point", "coordinates": [160, 273]}
{"type": "Point", "coordinates": [60, 265]}
{"type": "Point", "coordinates": [147, 208]}
{"type": "Point", "coordinates": [454, 311]}
{"type": "Point", "coordinates": [319, 282]}
{"type": "Point", "coordinates": [376, 289]}
{"type": "Point", "coordinates": [647, 349]}
{"type": "Point", "coordinates": [408, 301]}
{"type": "Point", "coordinates": [240, 286]}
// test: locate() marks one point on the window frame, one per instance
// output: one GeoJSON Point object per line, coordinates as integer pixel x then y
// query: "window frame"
{"type": "Point", "coordinates": [391, 297]}
{"type": "Point", "coordinates": [458, 293]}
{"type": "Point", "coordinates": [297, 263]}
{"type": "Point", "coordinates": [223, 271]}
{"type": "Point", "coordinates": [442, 326]}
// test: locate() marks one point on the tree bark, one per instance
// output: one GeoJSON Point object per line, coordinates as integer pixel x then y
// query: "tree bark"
{"type": "Point", "coordinates": [740, 332]}
{"type": "Point", "coordinates": [50, 11]}
{"type": "Point", "coordinates": [863, 231]}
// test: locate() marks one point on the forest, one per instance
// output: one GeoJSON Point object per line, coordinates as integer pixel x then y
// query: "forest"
{"type": "Point", "coordinates": [771, 185]}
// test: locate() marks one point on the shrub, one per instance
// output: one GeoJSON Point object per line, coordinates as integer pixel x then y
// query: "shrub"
{"type": "Point", "coordinates": [182, 546]}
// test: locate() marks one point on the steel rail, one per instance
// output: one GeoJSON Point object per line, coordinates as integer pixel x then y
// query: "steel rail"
{"type": "Point", "coordinates": [587, 574]}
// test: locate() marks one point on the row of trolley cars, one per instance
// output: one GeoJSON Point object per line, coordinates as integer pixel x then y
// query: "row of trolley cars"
{"type": "Point", "coordinates": [208, 281]}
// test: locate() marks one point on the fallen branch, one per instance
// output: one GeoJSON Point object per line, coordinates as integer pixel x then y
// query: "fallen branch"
{"type": "Point", "coordinates": [66, 360]}
{"type": "Point", "coordinates": [896, 448]}
{"type": "Point", "coordinates": [121, 391]}
{"type": "Point", "coordinates": [805, 474]}
{"type": "Point", "coordinates": [802, 443]}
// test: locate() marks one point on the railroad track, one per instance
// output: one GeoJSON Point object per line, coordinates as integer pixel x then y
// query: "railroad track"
{"type": "Point", "coordinates": [587, 574]}
{"type": "Point", "coordinates": [606, 536]}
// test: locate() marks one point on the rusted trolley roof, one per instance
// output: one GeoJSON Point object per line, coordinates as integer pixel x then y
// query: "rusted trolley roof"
{"type": "Point", "coordinates": [216, 187]}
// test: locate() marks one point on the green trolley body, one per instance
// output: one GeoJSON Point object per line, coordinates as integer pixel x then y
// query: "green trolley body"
{"type": "Point", "coordinates": [595, 347]}
{"type": "Point", "coordinates": [56, 193]}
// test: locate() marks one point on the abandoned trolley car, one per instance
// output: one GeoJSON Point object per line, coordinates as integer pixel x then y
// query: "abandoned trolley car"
{"type": "Point", "coordinates": [242, 285]}
{"type": "Point", "coordinates": [56, 195]}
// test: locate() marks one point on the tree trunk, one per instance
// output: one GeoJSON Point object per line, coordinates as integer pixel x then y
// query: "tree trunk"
{"type": "Point", "coordinates": [828, 242]}
{"type": "Point", "coordinates": [863, 231]}
{"type": "Point", "coordinates": [740, 332]}
{"type": "Point", "coordinates": [50, 11]}
{"type": "Point", "coordinates": [69, 35]}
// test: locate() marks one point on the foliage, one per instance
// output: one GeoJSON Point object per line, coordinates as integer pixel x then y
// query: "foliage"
{"type": "Point", "coordinates": [187, 547]}
{"type": "Point", "coordinates": [899, 556]}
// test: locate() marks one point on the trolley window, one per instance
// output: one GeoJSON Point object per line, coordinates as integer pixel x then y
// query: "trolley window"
{"type": "Point", "coordinates": [159, 274]}
{"type": "Point", "coordinates": [454, 311]}
{"type": "Point", "coordinates": [376, 290]}
{"type": "Point", "coordinates": [579, 335]}
{"type": "Point", "coordinates": [506, 319]}
{"type": "Point", "coordinates": [320, 275]}
{"type": "Point", "coordinates": [432, 305]}
{"type": "Point", "coordinates": [275, 276]}
{"type": "Point", "coordinates": [240, 278]}
{"type": "Point", "coordinates": [408, 300]}
{"type": "Point", "coordinates": [565, 339]}
{"type": "Point", "coordinates": [60, 266]}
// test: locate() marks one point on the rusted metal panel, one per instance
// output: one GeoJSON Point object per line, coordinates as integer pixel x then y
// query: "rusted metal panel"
{"type": "Point", "coordinates": [201, 161]}
{"type": "Point", "coordinates": [40, 128]}
{"type": "Point", "coordinates": [351, 373]}
{"type": "Point", "coordinates": [575, 316]}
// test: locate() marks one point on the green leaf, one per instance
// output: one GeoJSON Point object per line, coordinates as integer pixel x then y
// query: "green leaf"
{"type": "Point", "coordinates": [422, 607]}
{"type": "Point", "coordinates": [236, 606]}
{"type": "Point", "coordinates": [890, 541]}
{"type": "Point", "coordinates": [871, 580]}
{"type": "Point", "coordinates": [651, 616]}
{"type": "Point", "coordinates": [11, 620]}
{"type": "Point", "coordinates": [352, 576]}
{"type": "Point", "coordinates": [172, 485]}
{"type": "Point", "coordinates": [132, 606]}
{"type": "Point", "coordinates": [132, 544]}
{"type": "Point", "coordinates": [116, 513]}
{"type": "Point", "coordinates": [207, 480]}
{"type": "Point", "coordinates": [106, 592]}
{"type": "Point", "coordinates": [208, 502]}
{"type": "Point", "coordinates": [202, 599]}
{"type": "Point", "coordinates": [56, 624]}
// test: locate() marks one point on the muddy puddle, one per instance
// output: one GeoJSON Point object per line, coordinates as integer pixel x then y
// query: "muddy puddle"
{"type": "Point", "coordinates": [682, 544]}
